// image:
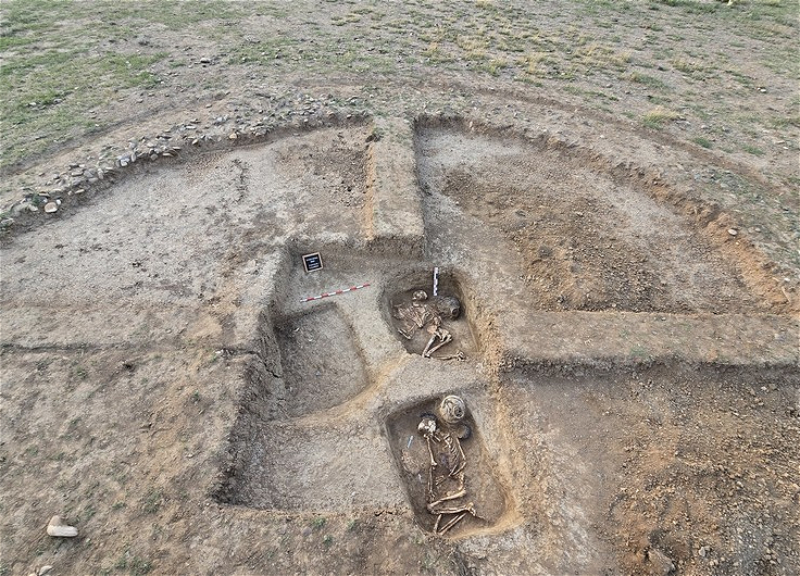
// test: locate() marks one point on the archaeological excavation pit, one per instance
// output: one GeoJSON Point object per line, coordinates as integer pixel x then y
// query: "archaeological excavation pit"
{"type": "Point", "coordinates": [571, 233]}
{"type": "Point", "coordinates": [322, 364]}
{"type": "Point", "coordinates": [627, 339]}
{"type": "Point", "coordinates": [414, 312]}
{"type": "Point", "coordinates": [459, 494]}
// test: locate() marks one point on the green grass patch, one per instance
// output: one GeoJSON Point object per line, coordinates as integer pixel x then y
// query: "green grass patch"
{"type": "Point", "coordinates": [755, 151]}
{"type": "Point", "coordinates": [153, 501]}
{"type": "Point", "coordinates": [692, 6]}
{"type": "Point", "coordinates": [701, 141]}
{"type": "Point", "coordinates": [646, 80]}
{"type": "Point", "coordinates": [658, 116]}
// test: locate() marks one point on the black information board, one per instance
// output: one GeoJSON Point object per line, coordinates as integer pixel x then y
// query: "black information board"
{"type": "Point", "coordinates": [312, 262]}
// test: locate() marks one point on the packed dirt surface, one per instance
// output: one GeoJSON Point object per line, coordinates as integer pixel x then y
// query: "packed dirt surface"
{"type": "Point", "coordinates": [181, 390]}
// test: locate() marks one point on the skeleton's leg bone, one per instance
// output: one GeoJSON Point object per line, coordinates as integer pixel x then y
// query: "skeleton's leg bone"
{"type": "Point", "coordinates": [426, 352]}
{"type": "Point", "coordinates": [458, 509]}
{"type": "Point", "coordinates": [454, 496]}
{"type": "Point", "coordinates": [436, 524]}
{"type": "Point", "coordinates": [442, 343]}
{"type": "Point", "coordinates": [452, 523]}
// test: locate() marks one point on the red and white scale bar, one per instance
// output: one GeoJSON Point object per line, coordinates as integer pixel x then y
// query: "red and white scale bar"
{"type": "Point", "coordinates": [335, 293]}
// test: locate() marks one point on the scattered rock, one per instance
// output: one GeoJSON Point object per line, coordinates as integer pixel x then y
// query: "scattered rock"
{"type": "Point", "coordinates": [660, 561]}
{"type": "Point", "coordinates": [733, 231]}
{"type": "Point", "coordinates": [44, 570]}
{"type": "Point", "coordinates": [51, 207]}
{"type": "Point", "coordinates": [704, 551]}
{"type": "Point", "coordinates": [59, 530]}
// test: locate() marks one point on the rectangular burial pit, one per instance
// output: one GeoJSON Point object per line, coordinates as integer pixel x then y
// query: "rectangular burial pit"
{"type": "Point", "coordinates": [321, 360]}
{"type": "Point", "coordinates": [412, 307]}
{"type": "Point", "coordinates": [481, 489]}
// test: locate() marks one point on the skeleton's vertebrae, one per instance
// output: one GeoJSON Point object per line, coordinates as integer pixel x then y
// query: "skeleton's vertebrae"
{"type": "Point", "coordinates": [446, 492]}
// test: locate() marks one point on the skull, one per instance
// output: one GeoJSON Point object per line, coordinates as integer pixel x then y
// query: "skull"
{"type": "Point", "coordinates": [419, 295]}
{"type": "Point", "coordinates": [427, 426]}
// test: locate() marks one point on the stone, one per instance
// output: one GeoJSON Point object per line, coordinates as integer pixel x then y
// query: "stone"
{"type": "Point", "coordinates": [51, 207]}
{"type": "Point", "coordinates": [44, 570]}
{"type": "Point", "coordinates": [57, 529]}
{"type": "Point", "coordinates": [660, 561]}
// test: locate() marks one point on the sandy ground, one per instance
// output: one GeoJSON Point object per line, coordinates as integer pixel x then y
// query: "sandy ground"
{"type": "Point", "coordinates": [628, 340]}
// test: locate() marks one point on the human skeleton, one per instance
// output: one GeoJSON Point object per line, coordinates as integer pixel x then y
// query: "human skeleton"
{"type": "Point", "coordinates": [446, 493]}
{"type": "Point", "coordinates": [422, 313]}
